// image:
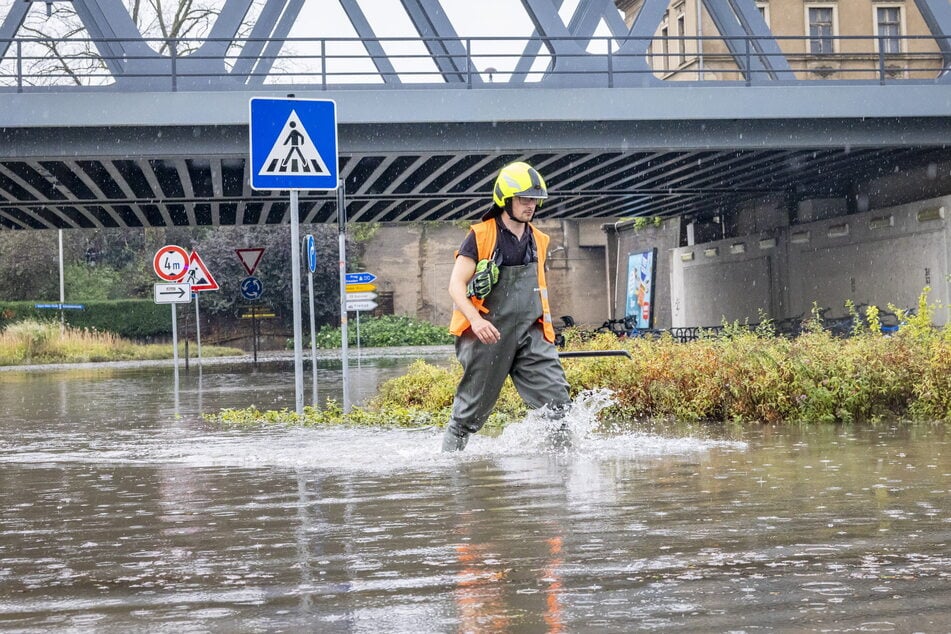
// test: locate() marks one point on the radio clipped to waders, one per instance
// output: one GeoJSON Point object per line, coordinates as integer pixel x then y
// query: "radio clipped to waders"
{"type": "Point", "coordinates": [486, 276]}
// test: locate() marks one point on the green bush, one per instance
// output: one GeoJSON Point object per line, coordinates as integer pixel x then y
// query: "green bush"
{"type": "Point", "coordinates": [387, 330]}
{"type": "Point", "coordinates": [744, 376]}
{"type": "Point", "coordinates": [132, 318]}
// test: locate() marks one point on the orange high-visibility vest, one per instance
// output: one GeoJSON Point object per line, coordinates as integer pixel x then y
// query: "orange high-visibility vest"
{"type": "Point", "coordinates": [486, 233]}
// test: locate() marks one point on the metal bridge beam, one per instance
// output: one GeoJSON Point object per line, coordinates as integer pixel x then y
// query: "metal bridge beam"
{"type": "Point", "coordinates": [439, 36]}
{"type": "Point", "coordinates": [759, 56]}
{"type": "Point", "coordinates": [937, 15]}
{"type": "Point", "coordinates": [572, 65]}
{"type": "Point", "coordinates": [377, 53]}
{"type": "Point", "coordinates": [258, 55]}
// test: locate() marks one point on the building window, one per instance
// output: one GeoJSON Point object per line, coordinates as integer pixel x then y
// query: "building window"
{"type": "Point", "coordinates": [821, 21]}
{"type": "Point", "coordinates": [889, 24]}
{"type": "Point", "coordinates": [681, 35]}
{"type": "Point", "coordinates": [763, 8]}
{"type": "Point", "coordinates": [665, 43]}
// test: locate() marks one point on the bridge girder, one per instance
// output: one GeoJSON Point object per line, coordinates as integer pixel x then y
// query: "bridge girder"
{"type": "Point", "coordinates": [165, 144]}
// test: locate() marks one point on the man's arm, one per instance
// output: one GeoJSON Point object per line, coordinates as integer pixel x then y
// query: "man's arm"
{"type": "Point", "coordinates": [462, 271]}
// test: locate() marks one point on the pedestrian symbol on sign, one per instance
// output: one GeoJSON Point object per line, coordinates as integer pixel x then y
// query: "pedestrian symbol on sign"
{"type": "Point", "coordinates": [293, 153]}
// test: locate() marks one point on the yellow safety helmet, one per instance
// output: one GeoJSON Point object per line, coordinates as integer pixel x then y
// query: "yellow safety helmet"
{"type": "Point", "coordinates": [519, 179]}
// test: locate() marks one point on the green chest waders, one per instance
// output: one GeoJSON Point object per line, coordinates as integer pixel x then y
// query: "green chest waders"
{"type": "Point", "coordinates": [522, 353]}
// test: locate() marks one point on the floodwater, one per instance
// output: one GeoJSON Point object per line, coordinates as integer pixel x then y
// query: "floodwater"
{"type": "Point", "coordinates": [124, 511]}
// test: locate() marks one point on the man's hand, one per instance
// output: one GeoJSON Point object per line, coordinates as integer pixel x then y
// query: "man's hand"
{"type": "Point", "coordinates": [484, 330]}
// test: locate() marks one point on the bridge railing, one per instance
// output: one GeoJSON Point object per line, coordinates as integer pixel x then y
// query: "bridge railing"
{"type": "Point", "coordinates": [45, 64]}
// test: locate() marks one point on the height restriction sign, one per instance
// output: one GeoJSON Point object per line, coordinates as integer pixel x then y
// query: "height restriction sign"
{"type": "Point", "coordinates": [170, 262]}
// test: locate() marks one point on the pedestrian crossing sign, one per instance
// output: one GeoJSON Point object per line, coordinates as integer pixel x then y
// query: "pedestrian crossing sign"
{"type": "Point", "coordinates": [293, 144]}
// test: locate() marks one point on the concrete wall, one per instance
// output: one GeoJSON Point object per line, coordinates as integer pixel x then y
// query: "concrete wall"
{"type": "Point", "coordinates": [633, 237]}
{"type": "Point", "coordinates": [413, 261]}
{"type": "Point", "coordinates": [880, 257]}
{"type": "Point", "coordinates": [883, 256]}
{"type": "Point", "coordinates": [732, 280]}
{"type": "Point", "coordinates": [576, 275]}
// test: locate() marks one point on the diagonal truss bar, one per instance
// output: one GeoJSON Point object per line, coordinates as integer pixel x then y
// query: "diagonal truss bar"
{"type": "Point", "coordinates": [258, 55]}
{"type": "Point", "coordinates": [11, 24]}
{"type": "Point", "coordinates": [749, 39]}
{"type": "Point", "coordinates": [115, 35]}
{"type": "Point", "coordinates": [377, 53]}
{"type": "Point", "coordinates": [573, 65]}
{"type": "Point", "coordinates": [440, 38]}
{"type": "Point", "coordinates": [937, 15]}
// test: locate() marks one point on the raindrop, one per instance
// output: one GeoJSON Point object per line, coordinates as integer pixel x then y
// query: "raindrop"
{"type": "Point", "coordinates": [932, 171]}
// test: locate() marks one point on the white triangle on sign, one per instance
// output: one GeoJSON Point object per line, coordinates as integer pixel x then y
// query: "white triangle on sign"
{"type": "Point", "coordinates": [293, 153]}
{"type": "Point", "coordinates": [250, 258]}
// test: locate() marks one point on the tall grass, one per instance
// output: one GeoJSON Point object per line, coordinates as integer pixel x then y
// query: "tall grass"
{"type": "Point", "coordinates": [45, 342]}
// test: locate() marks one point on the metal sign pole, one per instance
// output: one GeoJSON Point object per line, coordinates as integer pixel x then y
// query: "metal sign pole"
{"type": "Point", "coordinates": [62, 287]}
{"type": "Point", "coordinates": [313, 338]}
{"type": "Point", "coordinates": [342, 250]}
{"type": "Point", "coordinates": [197, 331]}
{"type": "Point", "coordinates": [254, 335]}
{"type": "Point", "coordinates": [175, 343]}
{"type": "Point", "coordinates": [295, 282]}
{"type": "Point", "coordinates": [293, 147]}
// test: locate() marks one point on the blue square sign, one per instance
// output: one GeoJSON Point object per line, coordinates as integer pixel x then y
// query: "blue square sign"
{"type": "Point", "coordinates": [293, 144]}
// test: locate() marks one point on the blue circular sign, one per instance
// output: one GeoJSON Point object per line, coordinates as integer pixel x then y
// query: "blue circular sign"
{"type": "Point", "coordinates": [251, 288]}
{"type": "Point", "coordinates": [310, 248]}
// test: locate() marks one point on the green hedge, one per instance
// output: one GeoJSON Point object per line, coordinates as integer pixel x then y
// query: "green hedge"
{"type": "Point", "coordinates": [386, 330]}
{"type": "Point", "coordinates": [133, 318]}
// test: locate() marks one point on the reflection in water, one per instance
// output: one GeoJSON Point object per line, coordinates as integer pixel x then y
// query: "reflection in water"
{"type": "Point", "coordinates": [120, 516]}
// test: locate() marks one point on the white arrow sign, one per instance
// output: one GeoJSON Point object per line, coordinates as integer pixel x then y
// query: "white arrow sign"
{"type": "Point", "coordinates": [361, 297]}
{"type": "Point", "coordinates": [173, 293]}
{"type": "Point", "coordinates": [362, 306]}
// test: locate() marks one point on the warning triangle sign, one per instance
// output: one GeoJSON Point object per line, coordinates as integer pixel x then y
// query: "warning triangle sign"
{"type": "Point", "coordinates": [198, 275]}
{"type": "Point", "coordinates": [293, 153]}
{"type": "Point", "coordinates": [250, 258]}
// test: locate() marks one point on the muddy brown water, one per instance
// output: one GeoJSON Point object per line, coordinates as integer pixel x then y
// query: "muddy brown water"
{"type": "Point", "coordinates": [124, 511]}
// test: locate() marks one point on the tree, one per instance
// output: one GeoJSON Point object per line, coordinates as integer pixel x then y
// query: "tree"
{"type": "Point", "coordinates": [56, 48]}
{"type": "Point", "coordinates": [217, 250]}
{"type": "Point", "coordinates": [29, 268]}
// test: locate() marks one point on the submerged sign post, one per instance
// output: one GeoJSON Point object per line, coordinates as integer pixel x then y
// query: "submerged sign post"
{"type": "Point", "coordinates": [294, 147]}
{"type": "Point", "coordinates": [171, 264]}
{"type": "Point", "coordinates": [360, 296]}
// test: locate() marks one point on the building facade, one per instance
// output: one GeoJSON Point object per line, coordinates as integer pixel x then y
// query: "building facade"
{"type": "Point", "coordinates": [821, 39]}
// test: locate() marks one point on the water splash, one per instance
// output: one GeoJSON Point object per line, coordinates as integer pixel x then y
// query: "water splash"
{"type": "Point", "coordinates": [577, 434]}
{"type": "Point", "coordinates": [358, 449]}
{"type": "Point", "coordinates": [545, 430]}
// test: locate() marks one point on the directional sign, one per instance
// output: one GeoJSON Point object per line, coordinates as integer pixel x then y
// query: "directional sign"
{"type": "Point", "coordinates": [170, 262]}
{"type": "Point", "coordinates": [198, 275]}
{"type": "Point", "coordinates": [61, 306]}
{"type": "Point", "coordinates": [360, 305]}
{"type": "Point", "coordinates": [293, 144]}
{"type": "Point", "coordinates": [360, 278]}
{"type": "Point", "coordinates": [360, 288]}
{"type": "Point", "coordinates": [360, 297]}
{"type": "Point", "coordinates": [173, 293]}
{"type": "Point", "coordinates": [250, 258]}
{"type": "Point", "coordinates": [251, 288]}
{"type": "Point", "coordinates": [310, 250]}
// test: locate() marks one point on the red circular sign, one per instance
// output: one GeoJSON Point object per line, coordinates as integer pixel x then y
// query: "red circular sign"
{"type": "Point", "coordinates": [170, 262]}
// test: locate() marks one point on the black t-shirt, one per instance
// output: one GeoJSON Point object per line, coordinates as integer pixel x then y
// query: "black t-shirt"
{"type": "Point", "coordinates": [511, 250]}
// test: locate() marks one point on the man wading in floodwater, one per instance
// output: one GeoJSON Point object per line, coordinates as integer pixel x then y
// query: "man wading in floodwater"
{"type": "Point", "coordinates": [501, 317]}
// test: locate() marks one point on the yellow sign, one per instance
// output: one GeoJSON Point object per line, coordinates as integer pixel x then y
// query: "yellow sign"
{"type": "Point", "coordinates": [360, 288]}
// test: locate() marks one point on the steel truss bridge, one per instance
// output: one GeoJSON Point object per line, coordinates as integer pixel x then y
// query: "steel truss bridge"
{"type": "Point", "coordinates": [153, 132]}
